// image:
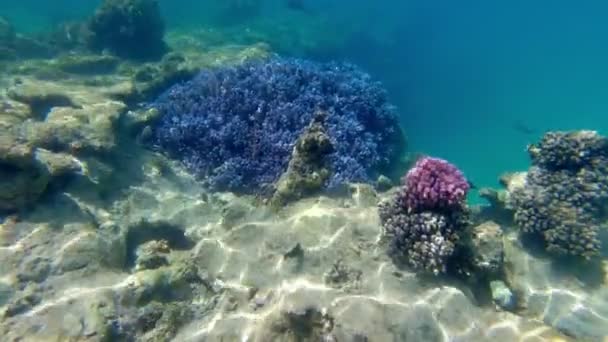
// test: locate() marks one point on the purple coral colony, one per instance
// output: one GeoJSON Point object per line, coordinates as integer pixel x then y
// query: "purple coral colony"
{"type": "Point", "coordinates": [427, 216]}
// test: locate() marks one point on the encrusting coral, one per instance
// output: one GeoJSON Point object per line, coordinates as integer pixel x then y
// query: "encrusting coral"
{"type": "Point", "coordinates": [564, 197]}
{"type": "Point", "coordinates": [236, 127]}
{"type": "Point", "coordinates": [425, 219]}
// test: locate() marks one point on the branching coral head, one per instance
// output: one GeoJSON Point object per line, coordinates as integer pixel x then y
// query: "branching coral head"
{"type": "Point", "coordinates": [434, 183]}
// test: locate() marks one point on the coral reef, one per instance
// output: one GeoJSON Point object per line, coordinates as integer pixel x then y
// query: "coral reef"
{"type": "Point", "coordinates": [563, 200]}
{"type": "Point", "coordinates": [67, 115]}
{"type": "Point", "coordinates": [237, 126]}
{"type": "Point", "coordinates": [119, 243]}
{"type": "Point", "coordinates": [128, 28]}
{"type": "Point", "coordinates": [426, 218]}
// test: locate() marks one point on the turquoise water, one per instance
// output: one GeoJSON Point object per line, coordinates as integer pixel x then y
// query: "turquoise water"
{"type": "Point", "coordinates": [477, 69]}
{"type": "Point", "coordinates": [104, 224]}
{"type": "Point", "coordinates": [475, 81]}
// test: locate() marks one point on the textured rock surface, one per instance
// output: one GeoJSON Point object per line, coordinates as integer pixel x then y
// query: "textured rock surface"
{"type": "Point", "coordinates": [218, 267]}
{"type": "Point", "coordinates": [571, 297]}
{"type": "Point", "coordinates": [568, 294]}
{"type": "Point", "coordinates": [309, 167]}
{"type": "Point", "coordinates": [61, 117]}
{"type": "Point", "coordinates": [487, 247]}
{"type": "Point", "coordinates": [134, 249]}
{"type": "Point", "coordinates": [26, 172]}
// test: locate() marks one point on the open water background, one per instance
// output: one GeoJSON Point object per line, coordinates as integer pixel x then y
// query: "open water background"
{"type": "Point", "coordinates": [475, 81]}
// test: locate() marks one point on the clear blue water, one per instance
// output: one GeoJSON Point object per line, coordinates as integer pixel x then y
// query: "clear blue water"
{"type": "Point", "coordinates": [474, 82]}
{"type": "Point", "coordinates": [470, 77]}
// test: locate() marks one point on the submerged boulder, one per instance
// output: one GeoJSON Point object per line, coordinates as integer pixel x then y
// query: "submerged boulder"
{"type": "Point", "coordinates": [26, 172]}
{"type": "Point", "coordinates": [487, 248]}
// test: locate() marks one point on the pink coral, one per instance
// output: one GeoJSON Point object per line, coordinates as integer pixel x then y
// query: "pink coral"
{"type": "Point", "coordinates": [434, 183]}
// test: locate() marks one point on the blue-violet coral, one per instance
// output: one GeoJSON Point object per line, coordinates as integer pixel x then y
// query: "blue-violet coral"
{"type": "Point", "coordinates": [235, 127]}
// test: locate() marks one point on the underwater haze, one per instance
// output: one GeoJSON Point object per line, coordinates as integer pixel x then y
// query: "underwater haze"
{"type": "Point", "coordinates": [472, 79]}
{"type": "Point", "coordinates": [303, 170]}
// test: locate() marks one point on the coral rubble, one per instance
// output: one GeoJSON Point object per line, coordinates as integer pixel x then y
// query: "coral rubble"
{"type": "Point", "coordinates": [237, 126]}
{"type": "Point", "coordinates": [426, 218]}
{"type": "Point", "coordinates": [563, 200]}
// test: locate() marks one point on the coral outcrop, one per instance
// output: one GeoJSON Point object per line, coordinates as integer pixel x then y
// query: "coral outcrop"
{"type": "Point", "coordinates": [426, 218]}
{"type": "Point", "coordinates": [563, 200]}
{"type": "Point", "coordinates": [236, 127]}
{"type": "Point", "coordinates": [308, 169]}
{"type": "Point", "coordinates": [128, 28]}
{"type": "Point", "coordinates": [67, 117]}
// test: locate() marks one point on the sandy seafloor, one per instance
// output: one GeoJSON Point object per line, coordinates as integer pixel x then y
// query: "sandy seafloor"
{"type": "Point", "coordinates": [120, 242]}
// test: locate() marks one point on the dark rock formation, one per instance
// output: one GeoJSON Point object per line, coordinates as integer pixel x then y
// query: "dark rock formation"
{"type": "Point", "coordinates": [128, 28]}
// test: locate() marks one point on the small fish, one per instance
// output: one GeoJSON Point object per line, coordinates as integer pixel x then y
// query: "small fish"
{"type": "Point", "coordinates": [472, 185]}
{"type": "Point", "coordinates": [522, 127]}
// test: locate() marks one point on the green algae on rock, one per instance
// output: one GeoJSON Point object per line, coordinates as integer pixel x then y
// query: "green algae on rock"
{"type": "Point", "coordinates": [308, 169]}
{"type": "Point", "coordinates": [87, 64]}
{"type": "Point", "coordinates": [26, 172]}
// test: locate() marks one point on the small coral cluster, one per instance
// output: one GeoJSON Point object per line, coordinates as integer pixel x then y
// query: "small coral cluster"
{"type": "Point", "coordinates": [236, 127]}
{"type": "Point", "coordinates": [128, 28]}
{"type": "Point", "coordinates": [566, 191]}
{"type": "Point", "coordinates": [425, 219]}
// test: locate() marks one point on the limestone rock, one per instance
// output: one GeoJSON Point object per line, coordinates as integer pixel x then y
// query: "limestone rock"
{"type": "Point", "coordinates": [152, 254]}
{"type": "Point", "coordinates": [363, 195]}
{"type": "Point", "coordinates": [87, 64]}
{"type": "Point", "coordinates": [487, 249]}
{"type": "Point", "coordinates": [513, 181]}
{"type": "Point", "coordinates": [571, 297]}
{"type": "Point", "coordinates": [502, 296]}
{"type": "Point", "coordinates": [26, 172]}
